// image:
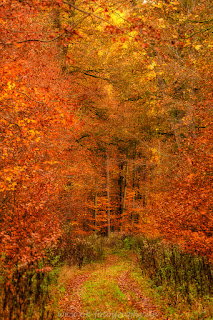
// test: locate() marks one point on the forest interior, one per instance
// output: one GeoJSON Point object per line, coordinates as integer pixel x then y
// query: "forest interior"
{"type": "Point", "coordinates": [106, 142]}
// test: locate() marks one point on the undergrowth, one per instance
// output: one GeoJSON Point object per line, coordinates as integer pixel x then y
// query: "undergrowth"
{"type": "Point", "coordinates": [26, 290]}
{"type": "Point", "coordinates": [182, 282]}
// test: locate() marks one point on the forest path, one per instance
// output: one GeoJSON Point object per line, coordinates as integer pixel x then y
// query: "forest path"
{"type": "Point", "coordinates": [107, 290]}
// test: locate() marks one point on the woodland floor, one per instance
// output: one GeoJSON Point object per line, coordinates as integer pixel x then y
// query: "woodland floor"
{"type": "Point", "coordinates": [107, 290]}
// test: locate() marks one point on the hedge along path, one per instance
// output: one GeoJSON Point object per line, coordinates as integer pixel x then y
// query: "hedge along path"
{"type": "Point", "coordinates": [107, 292]}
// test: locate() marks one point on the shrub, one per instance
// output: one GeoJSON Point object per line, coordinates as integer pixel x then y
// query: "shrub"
{"type": "Point", "coordinates": [167, 265]}
{"type": "Point", "coordinates": [80, 251]}
{"type": "Point", "coordinates": [25, 291]}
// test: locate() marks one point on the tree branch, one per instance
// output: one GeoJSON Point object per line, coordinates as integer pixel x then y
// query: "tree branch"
{"type": "Point", "coordinates": [33, 40]}
{"type": "Point", "coordinates": [92, 14]}
{"type": "Point", "coordinates": [197, 32]}
{"type": "Point", "coordinates": [76, 69]}
{"type": "Point", "coordinates": [30, 97]}
{"type": "Point", "coordinates": [9, 121]}
{"type": "Point", "coordinates": [203, 21]}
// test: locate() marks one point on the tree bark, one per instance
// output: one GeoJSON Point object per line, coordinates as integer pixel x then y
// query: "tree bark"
{"type": "Point", "coordinates": [96, 210]}
{"type": "Point", "coordinates": [108, 197]}
{"type": "Point", "coordinates": [124, 198]}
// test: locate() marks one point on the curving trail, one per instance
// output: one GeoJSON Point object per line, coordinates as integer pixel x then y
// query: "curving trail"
{"type": "Point", "coordinates": [73, 305]}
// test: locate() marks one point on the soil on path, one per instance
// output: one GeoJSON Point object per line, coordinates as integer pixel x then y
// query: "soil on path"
{"type": "Point", "coordinates": [71, 302]}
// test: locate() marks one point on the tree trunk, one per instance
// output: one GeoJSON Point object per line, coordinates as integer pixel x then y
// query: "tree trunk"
{"type": "Point", "coordinates": [124, 198]}
{"type": "Point", "coordinates": [108, 197]}
{"type": "Point", "coordinates": [96, 210]}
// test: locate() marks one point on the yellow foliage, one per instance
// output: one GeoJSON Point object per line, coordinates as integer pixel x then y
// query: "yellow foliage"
{"type": "Point", "coordinates": [125, 45]}
{"type": "Point", "coordinates": [151, 75]}
{"type": "Point", "coordinates": [11, 85]}
{"type": "Point", "coordinates": [118, 17]}
{"type": "Point", "coordinates": [100, 53]}
{"type": "Point", "coordinates": [161, 23]}
{"type": "Point", "coordinates": [152, 65]}
{"type": "Point", "coordinates": [198, 46]}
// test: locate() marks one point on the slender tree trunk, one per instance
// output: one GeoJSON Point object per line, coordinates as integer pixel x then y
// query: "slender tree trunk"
{"type": "Point", "coordinates": [62, 50]}
{"type": "Point", "coordinates": [178, 142]}
{"type": "Point", "coordinates": [120, 184]}
{"type": "Point", "coordinates": [108, 197]}
{"type": "Point", "coordinates": [133, 184]}
{"type": "Point", "coordinates": [124, 198]}
{"type": "Point", "coordinates": [96, 210]}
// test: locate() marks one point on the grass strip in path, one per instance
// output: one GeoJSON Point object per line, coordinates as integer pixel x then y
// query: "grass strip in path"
{"type": "Point", "coordinates": [102, 296]}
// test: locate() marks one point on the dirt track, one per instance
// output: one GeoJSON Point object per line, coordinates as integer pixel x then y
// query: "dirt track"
{"type": "Point", "coordinates": [72, 307]}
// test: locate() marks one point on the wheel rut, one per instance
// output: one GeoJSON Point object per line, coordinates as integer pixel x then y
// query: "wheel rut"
{"type": "Point", "coordinates": [71, 303]}
{"type": "Point", "coordinates": [137, 299]}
